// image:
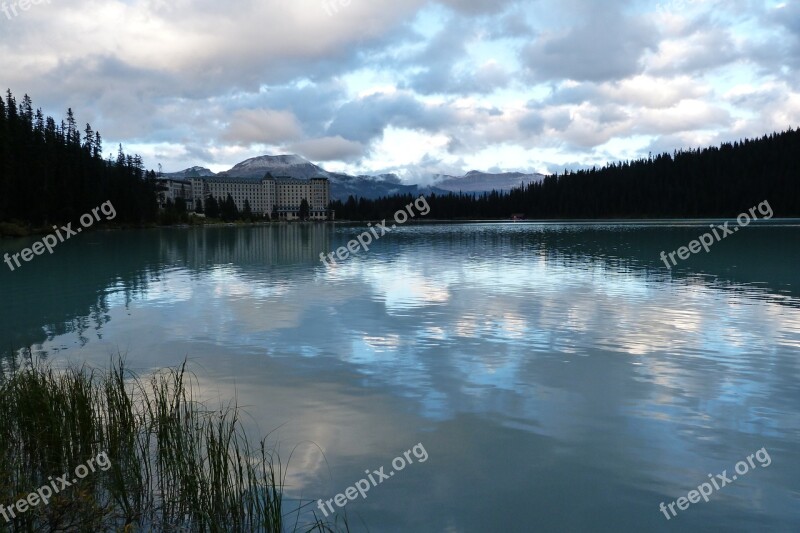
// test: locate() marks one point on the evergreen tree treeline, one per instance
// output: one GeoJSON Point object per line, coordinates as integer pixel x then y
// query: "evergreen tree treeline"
{"type": "Point", "coordinates": [51, 173]}
{"type": "Point", "coordinates": [720, 181]}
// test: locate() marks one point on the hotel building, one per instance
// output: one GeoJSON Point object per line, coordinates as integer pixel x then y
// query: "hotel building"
{"type": "Point", "coordinates": [267, 195]}
{"type": "Point", "coordinates": [172, 189]}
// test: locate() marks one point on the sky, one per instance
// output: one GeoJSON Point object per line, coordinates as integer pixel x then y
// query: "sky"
{"type": "Point", "coordinates": [412, 87]}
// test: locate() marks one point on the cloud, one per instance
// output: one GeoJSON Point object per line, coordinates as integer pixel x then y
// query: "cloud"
{"type": "Point", "coordinates": [700, 51]}
{"type": "Point", "coordinates": [483, 83]}
{"type": "Point", "coordinates": [652, 91]}
{"type": "Point", "coordinates": [511, 25]}
{"type": "Point", "coordinates": [592, 124]}
{"type": "Point", "coordinates": [204, 47]}
{"type": "Point", "coordinates": [787, 14]}
{"type": "Point", "coordinates": [328, 149]}
{"type": "Point", "coordinates": [687, 115]}
{"type": "Point", "coordinates": [773, 106]}
{"type": "Point", "coordinates": [444, 65]}
{"type": "Point", "coordinates": [609, 45]}
{"type": "Point", "coordinates": [313, 104]}
{"type": "Point", "coordinates": [482, 80]}
{"type": "Point", "coordinates": [477, 7]}
{"type": "Point", "coordinates": [365, 119]}
{"type": "Point", "coordinates": [262, 126]}
{"type": "Point", "coordinates": [786, 17]}
{"type": "Point", "coordinates": [680, 141]}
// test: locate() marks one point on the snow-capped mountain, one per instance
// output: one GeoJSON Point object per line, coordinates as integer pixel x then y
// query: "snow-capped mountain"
{"type": "Point", "coordinates": [292, 166]}
{"type": "Point", "coordinates": [345, 185]}
{"type": "Point", "coordinates": [476, 181]}
{"type": "Point", "coordinates": [194, 172]}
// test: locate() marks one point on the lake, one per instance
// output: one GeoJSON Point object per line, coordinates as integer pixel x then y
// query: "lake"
{"type": "Point", "coordinates": [558, 376]}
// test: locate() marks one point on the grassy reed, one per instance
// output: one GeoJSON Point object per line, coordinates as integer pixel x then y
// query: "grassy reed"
{"type": "Point", "coordinates": [175, 465]}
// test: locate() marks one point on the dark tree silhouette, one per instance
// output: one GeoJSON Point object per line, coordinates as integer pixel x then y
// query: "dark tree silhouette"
{"type": "Point", "coordinates": [212, 207]}
{"type": "Point", "coordinates": [719, 181]}
{"type": "Point", "coordinates": [305, 209]}
{"type": "Point", "coordinates": [247, 211]}
{"type": "Point", "coordinates": [49, 175]}
{"type": "Point", "coordinates": [52, 173]}
{"type": "Point", "coordinates": [228, 210]}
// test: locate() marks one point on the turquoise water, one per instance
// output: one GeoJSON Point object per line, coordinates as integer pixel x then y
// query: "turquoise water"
{"type": "Point", "coordinates": [559, 376]}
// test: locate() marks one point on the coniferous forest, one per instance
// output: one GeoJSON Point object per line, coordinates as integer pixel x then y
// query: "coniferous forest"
{"type": "Point", "coordinates": [722, 181]}
{"type": "Point", "coordinates": [54, 172]}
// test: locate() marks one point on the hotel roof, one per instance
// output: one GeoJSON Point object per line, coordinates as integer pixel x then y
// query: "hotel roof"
{"type": "Point", "coordinates": [229, 179]}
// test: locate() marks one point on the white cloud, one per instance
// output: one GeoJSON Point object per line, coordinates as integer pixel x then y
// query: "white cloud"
{"type": "Point", "coordinates": [654, 92]}
{"type": "Point", "coordinates": [262, 126]}
{"type": "Point", "coordinates": [607, 45]}
{"type": "Point", "coordinates": [483, 83]}
{"type": "Point", "coordinates": [328, 149]}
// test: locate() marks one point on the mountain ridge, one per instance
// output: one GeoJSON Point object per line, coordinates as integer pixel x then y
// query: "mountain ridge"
{"type": "Point", "coordinates": [367, 186]}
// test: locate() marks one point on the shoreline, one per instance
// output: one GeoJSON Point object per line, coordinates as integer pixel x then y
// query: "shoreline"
{"type": "Point", "coordinates": [10, 230]}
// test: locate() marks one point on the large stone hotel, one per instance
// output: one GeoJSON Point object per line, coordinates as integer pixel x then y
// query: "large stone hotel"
{"type": "Point", "coordinates": [266, 196]}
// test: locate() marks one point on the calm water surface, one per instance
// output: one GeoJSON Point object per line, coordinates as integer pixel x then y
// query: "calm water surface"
{"type": "Point", "coordinates": [559, 376]}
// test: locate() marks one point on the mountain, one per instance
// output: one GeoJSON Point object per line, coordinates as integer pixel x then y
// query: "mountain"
{"type": "Point", "coordinates": [477, 182]}
{"type": "Point", "coordinates": [292, 166]}
{"type": "Point", "coordinates": [342, 185]}
{"type": "Point", "coordinates": [370, 187]}
{"type": "Point", "coordinates": [194, 172]}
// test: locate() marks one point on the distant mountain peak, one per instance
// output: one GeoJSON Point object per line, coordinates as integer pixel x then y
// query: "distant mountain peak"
{"type": "Point", "coordinates": [372, 186]}
{"type": "Point", "coordinates": [286, 159]}
{"type": "Point", "coordinates": [192, 172]}
{"type": "Point", "coordinates": [476, 181]}
{"type": "Point", "coordinates": [293, 166]}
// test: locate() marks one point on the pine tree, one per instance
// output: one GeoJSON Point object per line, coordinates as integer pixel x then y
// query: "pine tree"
{"type": "Point", "coordinates": [72, 135]}
{"type": "Point", "coordinates": [304, 210]}
{"type": "Point", "coordinates": [47, 174]}
{"type": "Point", "coordinates": [247, 212]}
{"type": "Point", "coordinates": [212, 207]}
{"type": "Point", "coordinates": [26, 110]}
{"type": "Point", "coordinates": [39, 125]}
{"type": "Point", "coordinates": [228, 210]}
{"type": "Point", "coordinates": [88, 139]}
{"type": "Point", "coordinates": [98, 146]}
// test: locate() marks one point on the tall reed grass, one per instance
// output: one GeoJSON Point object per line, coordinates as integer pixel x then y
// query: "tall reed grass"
{"type": "Point", "coordinates": [176, 465]}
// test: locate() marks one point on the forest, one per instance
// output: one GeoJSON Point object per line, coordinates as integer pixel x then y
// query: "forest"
{"type": "Point", "coordinates": [719, 181]}
{"type": "Point", "coordinates": [53, 172]}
